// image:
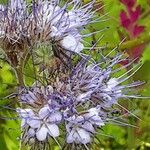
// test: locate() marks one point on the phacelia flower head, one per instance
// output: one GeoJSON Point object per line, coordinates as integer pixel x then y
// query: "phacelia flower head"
{"type": "Point", "coordinates": [24, 26]}
{"type": "Point", "coordinates": [62, 25]}
{"type": "Point", "coordinates": [14, 22]}
{"type": "Point", "coordinates": [46, 20]}
{"type": "Point", "coordinates": [80, 103]}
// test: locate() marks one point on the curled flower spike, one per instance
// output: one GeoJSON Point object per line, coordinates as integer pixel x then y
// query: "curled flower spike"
{"type": "Point", "coordinates": [81, 103]}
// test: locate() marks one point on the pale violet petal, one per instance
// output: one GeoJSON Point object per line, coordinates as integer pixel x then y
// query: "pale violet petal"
{"type": "Point", "coordinates": [55, 117]}
{"type": "Point", "coordinates": [41, 134]}
{"type": "Point", "coordinates": [34, 122]}
{"type": "Point", "coordinates": [2, 33]}
{"type": "Point", "coordinates": [32, 95]}
{"type": "Point", "coordinates": [49, 89]}
{"type": "Point", "coordinates": [2, 7]}
{"type": "Point", "coordinates": [112, 83]}
{"type": "Point", "coordinates": [83, 97]}
{"type": "Point", "coordinates": [78, 135]}
{"type": "Point", "coordinates": [79, 47]}
{"type": "Point", "coordinates": [53, 130]}
{"type": "Point", "coordinates": [44, 112]}
{"type": "Point", "coordinates": [31, 132]}
{"type": "Point", "coordinates": [83, 136]}
{"type": "Point", "coordinates": [93, 111]}
{"type": "Point", "coordinates": [79, 119]}
{"type": "Point", "coordinates": [23, 123]}
{"type": "Point", "coordinates": [70, 138]}
{"type": "Point", "coordinates": [54, 32]}
{"type": "Point", "coordinates": [69, 42]}
{"type": "Point", "coordinates": [88, 126]}
{"type": "Point", "coordinates": [96, 120]}
{"type": "Point", "coordinates": [25, 113]}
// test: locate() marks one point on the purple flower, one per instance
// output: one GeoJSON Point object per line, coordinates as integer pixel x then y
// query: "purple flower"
{"type": "Point", "coordinates": [24, 26]}
{"type": "Point", "coordinates": [81, 102]}
{"type": "Point", "coordinates": [80, 128]}
{"type": "Point", "coordinates": [42, 123]}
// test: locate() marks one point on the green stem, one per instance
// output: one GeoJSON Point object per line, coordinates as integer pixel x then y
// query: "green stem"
{"type": "Point", "coordinates": [131, 135]}
{"type": "Point", "coordinates": [130, 130]}
{"type": "Point", "coordinates": [20, 67]}
{"type": "Point", "coordinates": [132, 43]}
{"type": "Point", "coordinates": [19, 75]}
{"type": "Point", "coordinates": [136, 42]}
{"type": "Point", "coordinates": [21, 83]}
{"type": "Point", "coordinates": [23, 146]}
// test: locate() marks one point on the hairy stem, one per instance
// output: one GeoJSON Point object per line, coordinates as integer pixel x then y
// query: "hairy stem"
{"type": "Point", "coordinates": [131, 135]}
{"type": "Point", "coordinates": [20, 78]}
{"type": "Point", "coordinates": [19, 75]}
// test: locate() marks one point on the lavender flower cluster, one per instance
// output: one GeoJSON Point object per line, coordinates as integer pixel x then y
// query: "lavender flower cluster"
{"type": "Point", "coordinates": [80, 102]}
{"type": "Point", "coordinates": [44, 21]}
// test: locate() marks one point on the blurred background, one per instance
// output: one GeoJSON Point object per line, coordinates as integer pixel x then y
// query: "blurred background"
{"type": "Point", "coordinates": [127, 26]}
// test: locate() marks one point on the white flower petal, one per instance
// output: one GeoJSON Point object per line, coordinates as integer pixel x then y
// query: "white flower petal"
{"type": "Point", "coordinates": [69, 42]}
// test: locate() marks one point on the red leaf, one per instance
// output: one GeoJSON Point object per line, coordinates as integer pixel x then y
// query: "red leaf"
{"type": "Point", "coordinates": [134, 15]}
{"type": "Point", "coordinates": [137, 52]}
{"type": "Point", "coordinates": [138, 30]}
{"type": "Point", "coordinates": [125, 21]}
